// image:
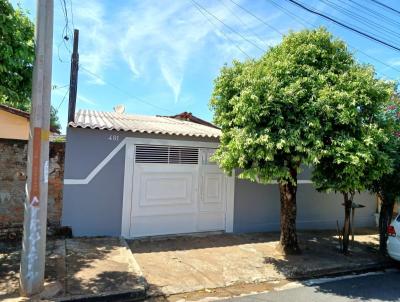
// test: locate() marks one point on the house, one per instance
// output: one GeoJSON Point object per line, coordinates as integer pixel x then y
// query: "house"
{"type": "Point", "coordinates": [134, 176]}
{"type": "Point", "coordinates": [14, 123]}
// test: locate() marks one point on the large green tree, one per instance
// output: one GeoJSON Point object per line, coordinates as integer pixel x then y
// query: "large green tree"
{"type": "Point", "coordinates": [17, 54]}
{"type": "Point", "coordinates": [269, 114]}
{"type": "Point", "coordinates": [388, 185]}
{"type": "Point", "coordinates": [352, 157]}
{"type": "Point", "coordinates": [16, 57]}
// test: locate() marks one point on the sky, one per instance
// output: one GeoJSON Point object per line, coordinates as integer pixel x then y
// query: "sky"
{"type": "Point", "coordinates": [161, 57]}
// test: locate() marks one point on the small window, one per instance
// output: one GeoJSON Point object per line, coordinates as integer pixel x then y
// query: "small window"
{"type": "Point", "coordinates": [166, 154]}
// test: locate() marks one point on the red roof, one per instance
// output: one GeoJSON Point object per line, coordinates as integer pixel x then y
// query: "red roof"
{"type": "Point", "coordinates": [188, 116]}
{"type": "Point", "coordinates": [14, 111]}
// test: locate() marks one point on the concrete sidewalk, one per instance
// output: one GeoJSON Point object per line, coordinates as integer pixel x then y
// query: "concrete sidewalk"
{"type": "Point", "coordinates": [184, 267]}
{"type": "Point", "coordinates": [224, 265]}
{"type": "Point", "coordinates": [89, 269]}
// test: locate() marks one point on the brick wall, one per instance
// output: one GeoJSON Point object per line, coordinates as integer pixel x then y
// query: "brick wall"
{"type": "Point", "coordinates": [13, 155]}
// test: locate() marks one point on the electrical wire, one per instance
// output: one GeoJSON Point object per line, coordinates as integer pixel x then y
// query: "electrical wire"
{"type": "Point", "coordinates": [386, 6]}
{"type": "Point", "coordinates": [243, 22]}
{"type": "Point", "coordinates": [306, 23]}
{"type": "Point", "coordinates": [55, 87]}
{"type": "Point", "coordinates": [256, 17]}
{"type": "Point", "coordinates": [67, 32]}
{"type": "Point", "coordinates": [379, 28]}
{"type": "Point", "coordinates": [318, 13]}
{"type": "Point", "coordinates": [229, 27]}
{"type": "Point", "coordinates": [123, 91]}
{"type": "Point", "coordinates": [62, 101]}
{"type": "Point", "coordinates": [222, 32]}
{"type": "Point", "coordinates": [372, 13]}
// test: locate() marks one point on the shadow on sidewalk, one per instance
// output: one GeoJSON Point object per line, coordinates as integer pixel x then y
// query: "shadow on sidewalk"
{"type": "Point", "coordinates": [10, 255]}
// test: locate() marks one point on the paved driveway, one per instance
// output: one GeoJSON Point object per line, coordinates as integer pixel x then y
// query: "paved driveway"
{"type": "Point", "coordinates": [187, 264]}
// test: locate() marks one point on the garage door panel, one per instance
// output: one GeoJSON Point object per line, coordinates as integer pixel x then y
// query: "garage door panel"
{"type": "Point", "coordinates": [164, 199]}
{"type": "Point", "coordinates": [211, 221]}
{"type": "Point", "coordinates": [172, 198]}
{"type": "Point", "coordinates": [212, 191]}
{"type": "Point", "coordinates": [165, 189]}
{"type": "Point", "coordinates": [163, 224]}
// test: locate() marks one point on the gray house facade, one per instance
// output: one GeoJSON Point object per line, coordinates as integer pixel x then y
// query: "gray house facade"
{"type": "Point", "coordinates": [135, 176]}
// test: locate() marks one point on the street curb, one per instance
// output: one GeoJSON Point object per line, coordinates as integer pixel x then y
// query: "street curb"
{"type": "Point", "coordinates": [316, 274]}
{"type": "Point", "coordinates": [136, 294]}
{"type": "Point", "coordinates": [358, 269]}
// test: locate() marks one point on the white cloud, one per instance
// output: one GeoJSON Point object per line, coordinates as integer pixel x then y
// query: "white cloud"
{"type": "Point", "coordinates": [159, 40]}
{"type": "Point", "coordinates": [166, 36]}
{"type": "Point", "coordinates": [86, 100]}
{"type": "Point", "coordinates": [95, 42]}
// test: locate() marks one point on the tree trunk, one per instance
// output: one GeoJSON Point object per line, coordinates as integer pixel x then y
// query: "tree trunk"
{"type": "Point", "coordinates": [288, 239]}
{"type": "Point", "coordinates": [348, 201]}
{"type": "Point", "coordinates": [385, 217]}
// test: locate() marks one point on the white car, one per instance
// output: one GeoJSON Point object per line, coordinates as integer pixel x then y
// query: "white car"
{"type": "Point", "coordinates": [393, 243]}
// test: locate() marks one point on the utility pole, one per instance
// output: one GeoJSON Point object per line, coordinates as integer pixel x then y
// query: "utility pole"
{"type": "Point", "coordinates": [35, 216]}
{"type": "Point", "coordinates": [73, 81]}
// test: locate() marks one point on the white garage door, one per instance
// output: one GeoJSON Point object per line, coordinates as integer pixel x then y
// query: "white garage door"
{"type": "Point", "coordinates": [176, 190]}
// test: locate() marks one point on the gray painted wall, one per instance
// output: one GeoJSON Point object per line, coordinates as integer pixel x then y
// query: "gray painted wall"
{"type": "Point", "coordinates": [257, 208]}
{"type": "Point", "coordinates": [95, 209]}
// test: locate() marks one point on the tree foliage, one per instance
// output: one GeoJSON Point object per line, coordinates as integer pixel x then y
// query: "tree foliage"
{"type": "Point", "coordinates": [17, 54]}
{"type": "Point", "coordinates": [269, 111]}
{"type": "Point", "coordinates": [16, 57]}
{"type": "Point", "coordinates": [351, 158]}
{"type": "Point", "coordinates": [388, 185]}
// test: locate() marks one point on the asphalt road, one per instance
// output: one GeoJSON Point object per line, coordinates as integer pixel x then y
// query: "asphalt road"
{"type": "Point", "coordinates": [370, 287]}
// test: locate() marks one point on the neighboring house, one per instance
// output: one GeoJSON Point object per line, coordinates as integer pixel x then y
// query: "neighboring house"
{"type": "Point", "coordinates": [14, 123]}
{"type": "Point", "coordinates": [133, 176]}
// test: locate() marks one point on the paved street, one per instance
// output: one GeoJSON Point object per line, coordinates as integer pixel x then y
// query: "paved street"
{"type": "Point", "coordinates": [370, 287]}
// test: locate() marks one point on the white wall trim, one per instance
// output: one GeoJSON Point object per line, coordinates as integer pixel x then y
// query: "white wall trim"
{"type": "Point", "coordinates": [97, 169]}
{"type": "Point", "coordinates": [127, 193]}
{"type": "Point", "coordinates": [230, 203]}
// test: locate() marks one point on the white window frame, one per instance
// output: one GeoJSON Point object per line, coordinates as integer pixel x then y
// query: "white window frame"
{"type": "Point", "coordinates": [128, 179]}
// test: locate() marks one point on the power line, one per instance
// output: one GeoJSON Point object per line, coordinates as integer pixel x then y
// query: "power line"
{"type": "Point", "coordinates": [229, 27]}
{"type": "Point", "coordinates": [258, 18]}
{"type": "Point", "coordinates": [362, 19]}
{"type": "Point", "coordinates": [66, 31]}
{"type": "Point", "coordinates": [386, 6]}
{"type": "Point", "coordinates": [373, 13]}
{"type": "Point", "coordinates": [71, 14]}
{"type": "Point", "coordinates": [62, 101]}
{"type": "Point", "coordinates": [222, 32]}
{"type": "Point", "coordinates": [305, 23]}
{"type": "Point", "coordinates": [315, 12]}
{"type": "Point", "coordinates": [123, 91]}
{"type": "Point", "coordinates": [55, 87]}
{"type": "Point", "coordinates": [242, 21]}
